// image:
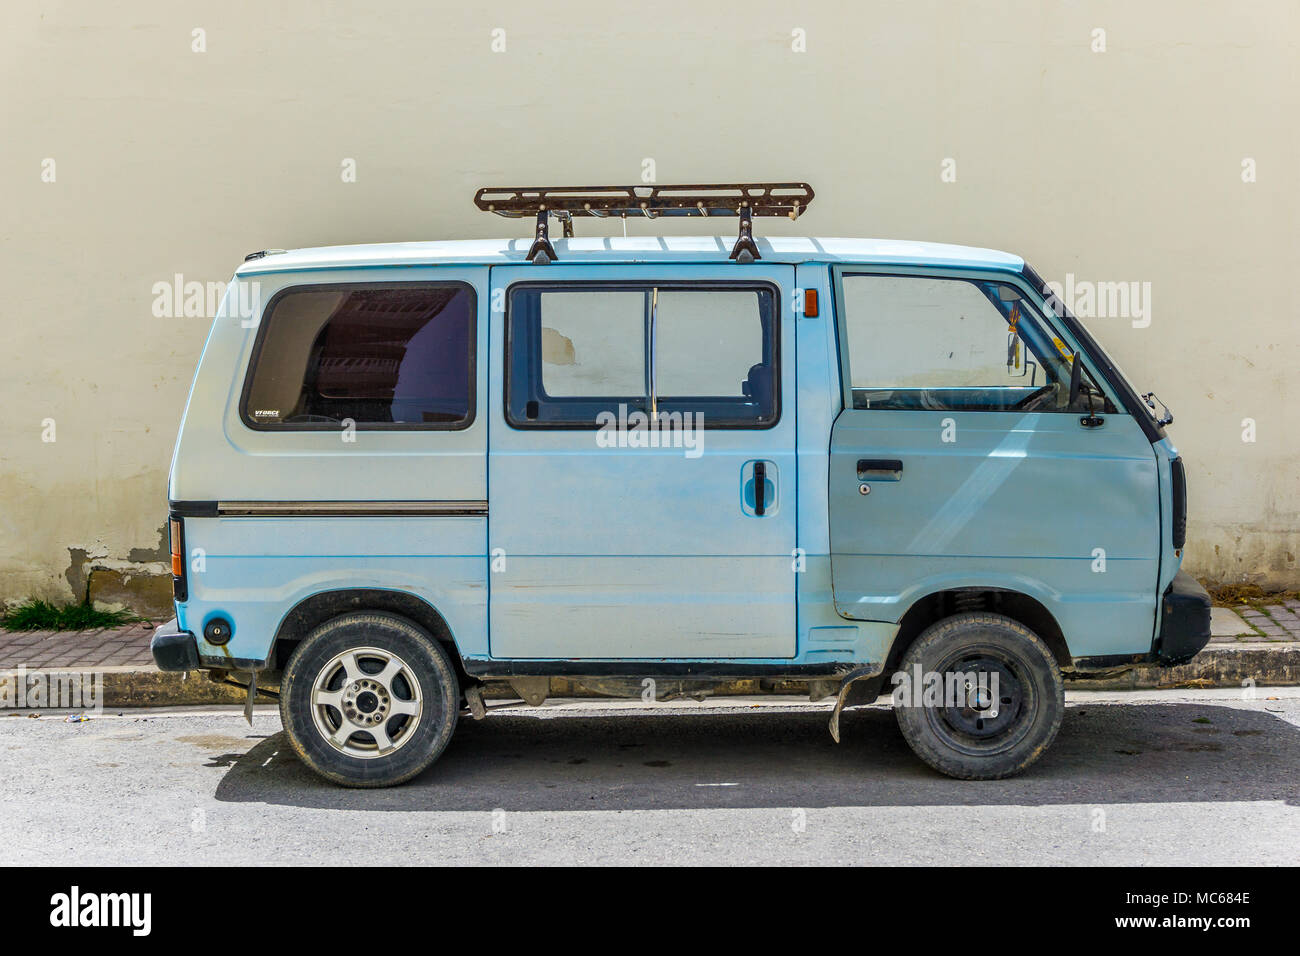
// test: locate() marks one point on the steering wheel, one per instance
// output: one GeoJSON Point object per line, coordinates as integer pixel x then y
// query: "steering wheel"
{"type": "Point", "coordinates": [312, 420]}
{"type": "Point", "coordinates": [1034, 396]}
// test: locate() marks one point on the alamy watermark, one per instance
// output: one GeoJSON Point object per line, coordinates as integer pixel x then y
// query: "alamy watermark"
{"type": "Point", "coordinates": [1101, 300]}
{"type": "Point", "coordinates": [182, 298]}
{"type": "Point", "coordinates": [638, 429]}
{"type": "Point", "coordinates": [977, 690]}
{"type": "Point", "coordinates": [61, 690]}
{"type": "Point", "coordinates": [76, 908]}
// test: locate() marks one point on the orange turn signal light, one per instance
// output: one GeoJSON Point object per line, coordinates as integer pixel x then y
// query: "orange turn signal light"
{"type": "Point", "coordinates": [178, 556]}
{"type": "Point", "coordinates": [810, 303]}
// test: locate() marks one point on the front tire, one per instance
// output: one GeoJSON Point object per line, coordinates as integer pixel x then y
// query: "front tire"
{"type": "Point", "coordinates": [972, 732]}
{"type": "Point", "coordinates": [369, 700]}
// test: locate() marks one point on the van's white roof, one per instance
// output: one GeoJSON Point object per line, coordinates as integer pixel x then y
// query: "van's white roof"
{"type": "Point", "coordinates": [589, 249]}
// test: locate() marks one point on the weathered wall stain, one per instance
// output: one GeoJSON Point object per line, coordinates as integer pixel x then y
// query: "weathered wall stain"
{"type": "Point", "coordinates": [76, 572]}
{"type": "Point", "coordinates": [159, 552]}
{"type": "Point", "coordinates": [557, 349]}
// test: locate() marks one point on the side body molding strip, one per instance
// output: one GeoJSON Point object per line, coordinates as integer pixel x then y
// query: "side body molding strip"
{"type": "Point", "coordinates": [283, 509]}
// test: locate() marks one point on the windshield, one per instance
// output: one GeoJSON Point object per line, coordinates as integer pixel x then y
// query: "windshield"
{"type": "Point", "coordinates": [1128, 394]}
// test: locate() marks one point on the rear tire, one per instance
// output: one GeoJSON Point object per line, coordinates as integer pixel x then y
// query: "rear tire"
{"type": "Point", "coordinates": [976, 735]}
{"type": "Point", "coordinates": [369, 700]}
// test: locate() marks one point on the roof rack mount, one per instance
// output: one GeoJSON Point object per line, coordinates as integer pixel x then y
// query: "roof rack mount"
{"type": "Point", "coordinates": [743, 200]}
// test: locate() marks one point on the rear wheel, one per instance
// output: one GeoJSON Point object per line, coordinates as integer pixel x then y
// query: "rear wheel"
{"type": "Point", "coordinates": [990, 698]}
{"type": "Point", "coordinates": [369, 700]}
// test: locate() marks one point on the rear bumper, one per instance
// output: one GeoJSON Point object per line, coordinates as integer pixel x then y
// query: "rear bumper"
{"type": "Point", "coordinates": [1184, 621]}
{"type": "Point", "coordinates": [174, 649]}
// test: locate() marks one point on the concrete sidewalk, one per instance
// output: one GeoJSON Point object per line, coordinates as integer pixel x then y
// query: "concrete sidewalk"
{"type": "Point", "coordinates": [121, 655]}
{"type": "Point", "coordinates": [1247, 644]}
{"type": "Point", "coordinates": [77, 650]}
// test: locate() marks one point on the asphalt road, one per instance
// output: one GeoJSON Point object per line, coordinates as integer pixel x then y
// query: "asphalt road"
{"type": "Point", "coordinates": [1164, 777]}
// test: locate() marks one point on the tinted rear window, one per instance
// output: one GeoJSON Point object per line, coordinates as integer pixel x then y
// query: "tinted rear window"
{"type": "Point", "coordinates": [386, 355]}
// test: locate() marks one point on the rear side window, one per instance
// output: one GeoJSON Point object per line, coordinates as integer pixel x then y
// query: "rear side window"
{"type": "Point", "coordinates": [379, 356]}
{"type": "Point", "coordinates": [574, 352]}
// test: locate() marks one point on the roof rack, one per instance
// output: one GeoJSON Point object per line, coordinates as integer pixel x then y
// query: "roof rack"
{"type": "Point", "coordinates": [744, 200]}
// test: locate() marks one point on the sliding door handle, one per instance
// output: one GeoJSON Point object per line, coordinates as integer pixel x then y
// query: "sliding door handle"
{"type": "Point", "coordinates": [760, 493]}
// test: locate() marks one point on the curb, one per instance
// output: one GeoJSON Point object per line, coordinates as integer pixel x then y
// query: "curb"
{"type": "Point", "coordinates": [1221, 666]}
{"type": "Point", "coordinates": [1224, 665]}
{"type": "Point", "coordinates": [141, 687]}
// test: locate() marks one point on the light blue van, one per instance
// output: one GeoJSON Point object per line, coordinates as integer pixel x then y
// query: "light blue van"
{"type": "Point", "coordinates": [409, 473]}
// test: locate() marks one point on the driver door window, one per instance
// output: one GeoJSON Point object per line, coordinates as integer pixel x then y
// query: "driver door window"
{"type": "Point", "coordinates": [951, 345]}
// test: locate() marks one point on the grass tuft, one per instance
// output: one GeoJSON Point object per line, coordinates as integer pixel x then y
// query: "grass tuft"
{"type": "Point", "coordinates": [1252, 595]}
{"type": "Point", "coordinates": [44, 616]}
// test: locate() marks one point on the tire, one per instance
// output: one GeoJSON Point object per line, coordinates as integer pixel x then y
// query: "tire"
{"type": "Point", "coordinates": [381, 687]}
{"type": "Point", "coordinates": [969, 736]}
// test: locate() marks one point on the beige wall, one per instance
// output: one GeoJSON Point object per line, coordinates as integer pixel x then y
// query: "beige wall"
{"type": "Point", "coordinates": [1124, 165]}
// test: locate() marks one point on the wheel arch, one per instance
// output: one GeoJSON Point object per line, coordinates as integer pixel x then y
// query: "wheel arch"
{"type": "Point", "coordinates": [312, 611]}
{"type": "Point", "coordinates": [1016, 605]}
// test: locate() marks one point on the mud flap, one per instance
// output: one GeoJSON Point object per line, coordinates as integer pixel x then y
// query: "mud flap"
{"type": "Point", "coordinates": [252, 693]}
{"type": "Point", "coordinates": [474, 701]}
{"type": "Point", "coordinates": [852, 693]}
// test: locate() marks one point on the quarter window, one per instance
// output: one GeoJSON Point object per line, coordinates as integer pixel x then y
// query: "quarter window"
{"type": "Point", "coordinates": [381, 356]}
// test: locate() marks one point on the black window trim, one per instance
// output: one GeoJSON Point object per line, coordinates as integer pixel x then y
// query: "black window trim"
{"type": "Point", "coordinates": [351, 286]}
{"type": "Point", "coordinates": [638, 284]}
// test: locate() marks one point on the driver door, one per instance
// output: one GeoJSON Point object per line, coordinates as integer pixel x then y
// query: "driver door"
{"type": "Point", "coordinates": [961, 460]}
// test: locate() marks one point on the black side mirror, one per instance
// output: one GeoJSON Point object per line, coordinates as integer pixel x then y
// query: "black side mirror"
{"type": "Point", "coordinates": [1076, 380]}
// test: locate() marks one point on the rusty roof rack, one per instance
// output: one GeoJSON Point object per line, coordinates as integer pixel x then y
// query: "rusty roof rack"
{"type": "Point", "coordinates": [744, 200]}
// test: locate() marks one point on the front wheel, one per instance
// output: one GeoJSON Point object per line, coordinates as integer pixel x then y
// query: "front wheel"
{"type": "Point", "coordinates": [369, 700]}
{"type": "Point", "coordinates": [980, 696]}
